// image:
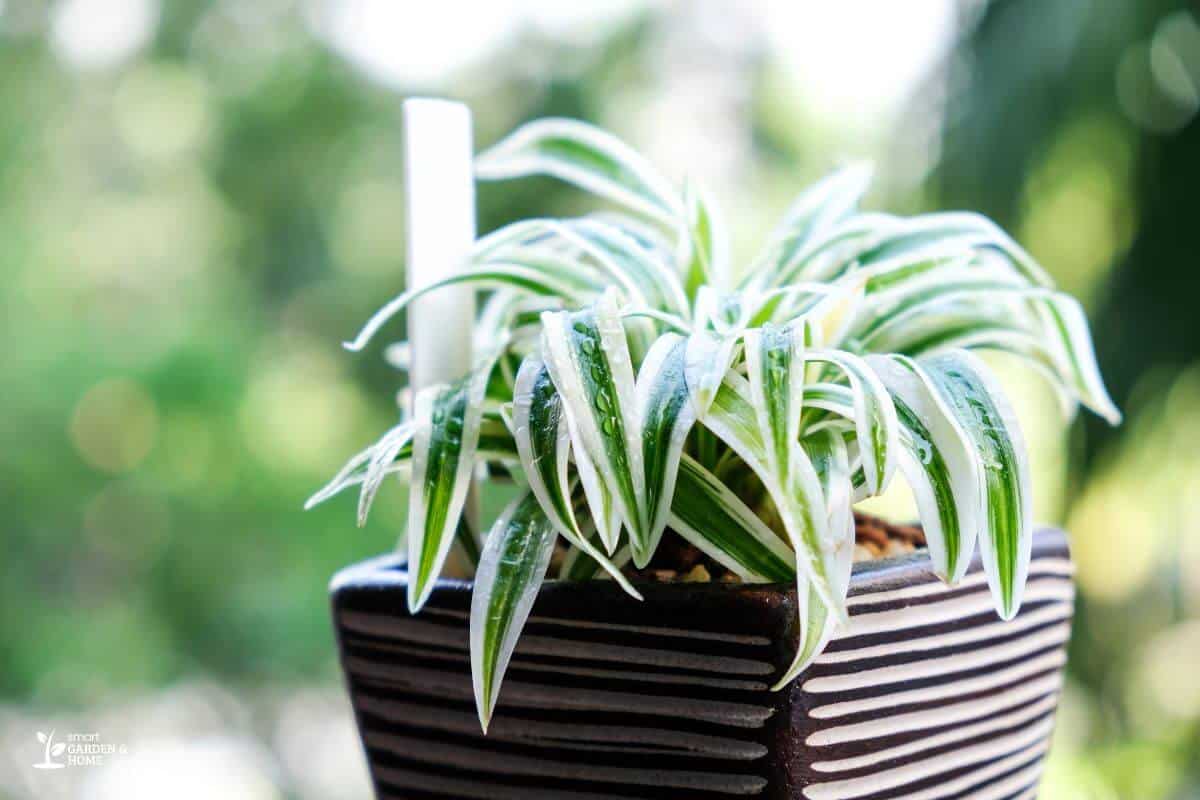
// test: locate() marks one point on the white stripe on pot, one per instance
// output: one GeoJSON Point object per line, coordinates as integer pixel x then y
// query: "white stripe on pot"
{"type": "Point", "coordinates": [1015, 782]}
{"type": "Point", "coordinates": [1032, 738]}
{"type": "Point", "coordinates": [970, 659]}
{"type": "Point", "coordinates": [952, 610]}
{"type": "Point", "coordinates": [1026, 714]}
{"type": "Point", "coordinates": [1036, 751]}
{"type": "Point", "coordinates": [1031, 619]}
{"type": "Point", "coordinates": [943, 691]}
{"type": "Point", "coordinates": [1046, 566]}
{"type": "Point", "coordinates": [936, 717]}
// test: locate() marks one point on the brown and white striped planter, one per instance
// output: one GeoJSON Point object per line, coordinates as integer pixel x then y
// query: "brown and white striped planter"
{"type": "Point", "coordinates": [926, 694]}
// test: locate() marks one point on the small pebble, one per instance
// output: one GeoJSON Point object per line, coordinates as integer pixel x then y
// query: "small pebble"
{"type": "Point", "coordinates": [698, 574]}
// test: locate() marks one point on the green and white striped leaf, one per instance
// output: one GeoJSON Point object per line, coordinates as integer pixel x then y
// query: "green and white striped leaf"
{"type": "Point", "coordinates": [667, 416]}
{"type": "Point", "coordinates": [703, 251]}
{"type": "Point", "coordinates": [707, 358]}
{"type": "Point", "coordinates": [492, 276]}
{"type": "Point", "coordinates": [737, 420]}
{"type": "Point", "coordinates": [587, 157]}
{"type": "Point", "coordinates": [831, 254]}
{"type": "Point", "coordinates": [366, 464]}
{"type": "Point", "coordinates": [956, 280]}
{"type": "Point", "coordinates": [588, 358]}
{"type": "Point", "coordinates": [1072, 343]}
{"type": "Point", "coordinates": [511, 570]}
{"type": "Point", "coordinates": [826, 449]}
{"type": "Point", "coordinates": [385, 454]}
{"type": "Point", "coordinates": [543, 445]}
{"type": "Point", "coordinates": [626, 255]}
{"type": "Point", "coordinates": [447, 420]}
{"type": "Point", "coordinates": [940, 463]}
{"type": "Point", "coordinates": [775, 371]}
{"type": "Point", "coordinates": [874, 417]}
{"type": "Point", "coordinates": [706, 513]}
{"type": "Point", "coordinates": [956, 230]}
{"type": "Point", "coordinates": [827, 452]}
{"type": "Point", "coordinates": [600, 503]}
{"type": "Point", "coordinates": [1006, 540]}
{"type": "Point", "coordinates": [818, 210]}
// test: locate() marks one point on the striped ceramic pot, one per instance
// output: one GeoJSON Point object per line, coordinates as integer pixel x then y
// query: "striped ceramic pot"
{"type": "Point", "coordinates": [926, 694]}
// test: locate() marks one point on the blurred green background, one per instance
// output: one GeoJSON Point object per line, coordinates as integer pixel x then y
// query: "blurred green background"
{"type": "Point", "coordinates": [199, 201]}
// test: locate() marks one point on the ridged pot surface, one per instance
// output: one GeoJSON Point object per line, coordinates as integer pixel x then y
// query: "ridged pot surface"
{"type": "Point", "coordinates": [926, 694]}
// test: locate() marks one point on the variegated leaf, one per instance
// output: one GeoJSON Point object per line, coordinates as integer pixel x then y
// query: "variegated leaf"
{"type": "Point", "coordinates": [775, 370]}
{"type": "Point", "coordinates": [710, 516]}
{"type": "Point", "coordinates": [875, 417]}
{"type": "Point", "coordinates": [588, 358]}
{"type": "Point", "coordinates": [703, 251]}
{"type": "Point", "coordinates": [586, 156]}
{"type": "Point", "coordinates": [447, 420]}
{"type": "Point", "coordinates": [706, 359]}
{"type": "Point", "coordinates": [1072, 342]}
{"type": "Point", "coordinates": [982, 410]}
{"type": "Point", "coordinates": [940, 464]}
{"type": "Point", "coordinates": [492, 276]}
{"type": "Point", "coordinates": [667, 415]}
{"type": "Point", "coordinates": [827, 452]}
{"type": "Point", "coordinates": [817, 211]}
{"type": "Point", "coordinates": [956, 230]}
{"type": "Point", "coordinates": [511, 570]}
{"type": "Point", "coordinates": [736, 418]}
{"type": "Point", "coordinates": [543, 445]}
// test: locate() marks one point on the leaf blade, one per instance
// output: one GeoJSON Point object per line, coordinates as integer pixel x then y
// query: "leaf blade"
{"type": "Point", "coordinates": [667, 416]}
{"type": "Point", "coordinates": [447, 420]}
{"type": "Point", "coordinates": [585, 156]}
{"type": "Point", "coordinates": [589, 362]}
{"type": "Point", "coordinates": [512, 568]}
{"type": "Point", "coordinates": [543, 446]}
{"type": "Point", "coordinates": [985, 415]}
{"type": "Point", "coordinates": [706, 513]}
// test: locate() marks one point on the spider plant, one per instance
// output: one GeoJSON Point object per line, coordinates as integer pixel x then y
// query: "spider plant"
{"type": "Point", "coordinates": [630, 383]}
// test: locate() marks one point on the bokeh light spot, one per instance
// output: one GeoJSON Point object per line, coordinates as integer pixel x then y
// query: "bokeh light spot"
{"type": "Point", "coordinates": [92, 34]}
{"type": "Point", "coordinates": [114, 425]}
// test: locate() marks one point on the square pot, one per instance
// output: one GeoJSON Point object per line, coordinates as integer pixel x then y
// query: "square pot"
{"type": "Point", "coordinates": [926, 694]}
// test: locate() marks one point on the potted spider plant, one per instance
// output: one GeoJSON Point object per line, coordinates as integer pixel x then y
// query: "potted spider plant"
{"type": "Point", "coordinates": [681, 601]}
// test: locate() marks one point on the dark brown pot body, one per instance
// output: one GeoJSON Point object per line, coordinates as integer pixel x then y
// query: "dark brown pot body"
{"type": "Point", "coordinates": [926, 694]}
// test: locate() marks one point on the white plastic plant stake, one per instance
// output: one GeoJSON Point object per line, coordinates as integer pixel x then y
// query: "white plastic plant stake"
{"type": "Point", "coordinates": [440, 191]}
{"type": "Point", "coordinates": [439, 187]}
